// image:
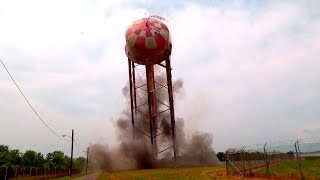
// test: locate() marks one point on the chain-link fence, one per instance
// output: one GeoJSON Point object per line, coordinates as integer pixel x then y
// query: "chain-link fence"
{"type": "Point", "coordinates": [299, 159]}
{"type": "Point", "coordinates": [11, 172]}
{"type": "Point", "coordinates": [245, 161]}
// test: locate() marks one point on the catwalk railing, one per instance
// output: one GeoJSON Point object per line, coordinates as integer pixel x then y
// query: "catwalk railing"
{"type": "Point", "coordinates": [296, 157]}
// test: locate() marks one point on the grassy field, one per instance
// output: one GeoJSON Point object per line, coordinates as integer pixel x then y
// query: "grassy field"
{"type": "Point", "coordinates": [74, 176]}
{"type": "Point", "coordinates": [310, 168]}
{"type": "Point", "coordinates": [168, 173]}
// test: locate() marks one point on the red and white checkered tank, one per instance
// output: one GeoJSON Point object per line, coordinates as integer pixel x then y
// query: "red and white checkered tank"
{"type": "Point", "coordinates": [147, 41]}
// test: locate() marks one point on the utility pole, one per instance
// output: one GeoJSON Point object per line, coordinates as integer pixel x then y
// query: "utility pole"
{"type": "Point", "coordinates": [72, 138]}
{"type": "Point", "coordinates": [87, 160]}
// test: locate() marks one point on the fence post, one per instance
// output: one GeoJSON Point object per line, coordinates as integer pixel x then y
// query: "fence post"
{"type": "Point", "coordinates": [243, 163]}
{"type": "Point", "coordinates": [273, 155]}
{"type": "Point", "coordinates": [226, 156]}
{"type": "Point", "coordinates": [296, 145]}
{"type": "Point", "coordinates": [249, 160]}
{"type": "Point", "coordinates": [15, 172]}
{"type": "Point", "coordinates": [227, 162]}
{"type": "Point", "coordinates": [5, 176]}
{"type": "Point", "coordinates": [266, 157]}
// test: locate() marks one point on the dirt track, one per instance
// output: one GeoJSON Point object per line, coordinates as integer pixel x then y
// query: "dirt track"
{"type": "Point", "coordinates": [92, 176]}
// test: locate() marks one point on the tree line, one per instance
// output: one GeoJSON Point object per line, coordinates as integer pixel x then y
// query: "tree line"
{"type": "Point", "coordinates": [10, 158]}
{"type": "Point", "coordinates": [222, 156]}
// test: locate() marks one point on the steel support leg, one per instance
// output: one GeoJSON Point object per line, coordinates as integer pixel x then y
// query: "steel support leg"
{"type": "Point", "coordinates": [131, 98]}
{"type": "Point", "coordinates": [152, 102]}
{"type": "Point", "coordinates": [171, 103]}
{"type": "Point", "coordinates": [134, 87]}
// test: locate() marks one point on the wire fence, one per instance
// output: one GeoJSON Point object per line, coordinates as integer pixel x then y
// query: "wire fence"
{"type": "Point", "coordinates": [299, 159]}
{"type": "Point", "coordinates": [34, 173]}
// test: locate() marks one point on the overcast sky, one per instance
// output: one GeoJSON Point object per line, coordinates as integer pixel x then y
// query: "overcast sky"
{"type": "Point", "coordinates": [251, 69]}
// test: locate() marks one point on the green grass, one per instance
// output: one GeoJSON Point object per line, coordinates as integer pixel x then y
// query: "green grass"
{"type": "Point", "coordinates": [168, 173]}
{"type": "Point", "coordinates": [310, 168]}
{"type": "Point", "coordinates": [73, 176]}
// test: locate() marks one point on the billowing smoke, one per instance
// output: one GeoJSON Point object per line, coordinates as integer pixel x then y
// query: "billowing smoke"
{"type": "Point", "coordinates": [193, 150]}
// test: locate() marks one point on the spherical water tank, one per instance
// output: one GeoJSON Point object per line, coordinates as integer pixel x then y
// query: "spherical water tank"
{"type": "Point", "coordinates": [147, 41]}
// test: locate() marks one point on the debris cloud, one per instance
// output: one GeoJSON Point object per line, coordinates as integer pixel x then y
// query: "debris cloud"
{"type": "Point", "coordinates": [193, 150]}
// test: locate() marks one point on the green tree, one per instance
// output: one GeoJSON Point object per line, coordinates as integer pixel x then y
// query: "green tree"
{"type": "Point", "coordinates": [49, 163]}
{"type": "Point", "coordinates": [29, 158]}
{"type": "Point", "coordinates": [40, 160]}
{"type": "Point", "coordinates": [290, 153]}
{"type": "Point", "coordinates": [80, 162]}
{"type": "Point", "coordinates": [221, 156]}
{"type": "Point", "coordinates": [9, 157]}
{"type": "Point", "coordinates": [67, 161]}
{"type": "Point", "coordinates": [14, 157]}
{"type": "Point", "coordinates": [32, 159]}
{"type": "Point", "coordinates": [56, 159]}
{"type": "Point", "coordinates": [4, 150]}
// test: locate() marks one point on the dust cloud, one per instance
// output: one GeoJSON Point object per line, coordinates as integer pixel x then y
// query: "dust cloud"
{"type": "Point", "coordinates": [194, 149]}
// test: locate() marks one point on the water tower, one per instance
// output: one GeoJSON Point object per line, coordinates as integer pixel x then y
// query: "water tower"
{"type": "Point", "coordinates": [148, 48]}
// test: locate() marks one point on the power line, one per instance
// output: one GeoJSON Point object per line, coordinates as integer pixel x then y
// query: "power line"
{"type": "Point", "coordinates": [29, 102]}
{"type": "Point", "coordinates": [78, 148]}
